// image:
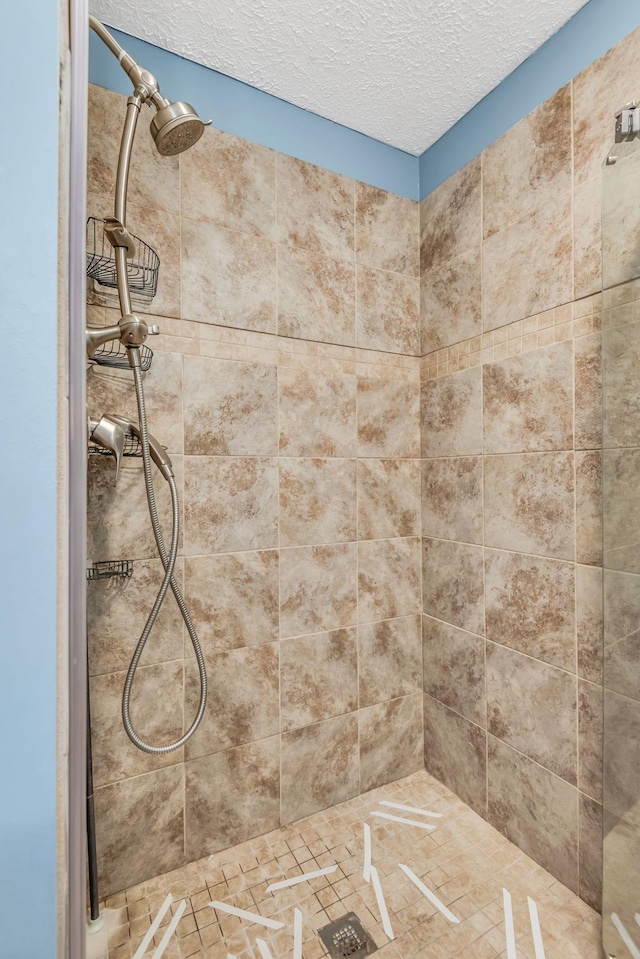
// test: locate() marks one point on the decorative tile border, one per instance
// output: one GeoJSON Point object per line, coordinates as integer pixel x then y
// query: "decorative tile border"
{"type": "Point", "coordinates": [203, 339]}
{"type": "Point", "coordinates": [565, 322]}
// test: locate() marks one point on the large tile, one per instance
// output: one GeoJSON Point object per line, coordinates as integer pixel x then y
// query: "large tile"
{"type": "Point", "coordinates": [451, 301]}
{"type": "Point", "coordinates": [387, 231]}
{"type": "Point", "coordinates": [388, 418]}
{"type": "Point", "coordinates": [317, 412]}
{"type": "Point", "coordinates": [231, 503]}
{"type": "Point", "coordinates": [590, 739]}
{"type": "Point", "coordinates": [318, 588]}
{"type": "Point", "coordinates": [228, 278]}
{"type": "Point", "coordinates": [621, 500]}
{"type": "Point", "coordinates": [160, 230]}
{"type": "Point", "coordinates": [243, 699]}
{"type": "Point", "coordinates": [598, 93]}
{"type": "Point", "coordinates": [531, 606]}
{"type": "Point", "coordinates": [529, 166]}
{"type": "Point", "coordinates": [388, 498]}
{"type": "Point", "coordinates": [452, 494]}
{"type": "Point", "coordinates": [389, 659]}
{"type": "Point", "coordinates": [620, 222]}
{"type": "Point", "coordinates": [621, 767]}
{"type": "Point", "coordinates": [527, 401]}
{"type": "Point", "coordinates": [453, 583]}
{"type": "Point", "coordinates": [230, 409]}
{"type": "Point", "coordinates": [588, 391]}
{"type": "Point", "coordinates": [532, 707]}
{"type": "Point", "coordinates": [456, 753]}
{"type": "Point", "coordinates": [587, 236]}
{"type": "Point", "coordinates": [621, 605]}
{"type": "Point", "coordinates": [390, 741]}
{"type": "Point", "coordinates": [315, 208]}
{"type": "Point", "coordinates": [230, 181]}
{"type": "Point", "coordinates": [529, 503]}
{"type": "Point", "coordinates": [319, 766]}
{"type": "Point", "coordinates": [590, 852]}
{"type": "Point", "coordinates": [589, 507]}
{"type": "Point", "coordinates": [231, 796]}
{"type": "Point", "coordinates": [454, 669]}
{"type": "Point", "coordinates": [620, 359]}
{"type": "Point", "coordinates": [451, 217]}
{"type": "Point", "coordinates": [451, 414]}
{"type": "Point", "coordinates": [316, 296]}
{"type": "Point", "coordinates": [114, 533]}
{"type": "Point", "coordinates": [528, 267]}
{"type": "Point", "coordinates": [387, 311]}
{"type": "Point", "coordinates": [117, 610]}
{"type": "Point", "coordinates": [621, 635]}
{"type": "Point", "coordinates": [388, 578]}
{"type": "Point", "coordinates": [317, 501]}
{"type": "Point", "coordinates": [112, 391]}
{"type": "Point", "coordinates": [535, 810]}
{"type": "Point", "coordinates": [153, 181]}
{"type": "Point", "coordinates": [157, 720]}
{"type": "Point", "coordinates": [233, 599]}
{"type": "Point", "coordinates": [589, 622]}
{"type": "Point", "coordinates": [319, 677]}
{"type": "Point", "coordinates": [139, 828]}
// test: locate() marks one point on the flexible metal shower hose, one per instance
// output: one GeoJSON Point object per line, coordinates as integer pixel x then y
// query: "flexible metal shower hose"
{"type": "Point", "coordinates": [169, 563]}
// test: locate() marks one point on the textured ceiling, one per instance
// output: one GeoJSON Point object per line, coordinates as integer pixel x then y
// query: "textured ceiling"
{"type": "Point", "coordinates": [402, 71]}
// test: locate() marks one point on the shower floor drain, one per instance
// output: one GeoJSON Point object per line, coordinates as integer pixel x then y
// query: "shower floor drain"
{"type": "Point", "coordinates": [346, 938]}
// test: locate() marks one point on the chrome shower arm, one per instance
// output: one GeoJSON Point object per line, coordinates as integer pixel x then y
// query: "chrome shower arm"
{"type": "Point", "coordinates": [144, 82]}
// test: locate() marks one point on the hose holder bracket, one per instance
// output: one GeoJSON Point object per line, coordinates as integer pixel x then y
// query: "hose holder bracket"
{"type": "Point", "coordinates": [119, 236]}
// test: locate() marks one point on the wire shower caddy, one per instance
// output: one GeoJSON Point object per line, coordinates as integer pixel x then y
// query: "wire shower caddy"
{"type": "Point", "coordinates": [142, 268]}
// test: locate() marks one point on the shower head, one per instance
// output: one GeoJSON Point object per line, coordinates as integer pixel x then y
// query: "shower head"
{"type": "Point", "coordinates": [176, 127]}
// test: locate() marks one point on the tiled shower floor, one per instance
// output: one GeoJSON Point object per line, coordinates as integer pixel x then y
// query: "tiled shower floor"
{"type": "Point", "coordinates": [464, 861]}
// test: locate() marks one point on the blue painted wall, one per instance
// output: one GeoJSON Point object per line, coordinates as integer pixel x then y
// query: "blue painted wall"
{"type": "Point", "coordinates": [597, 27]}
{"type": "Point", "coordinates": [247, 112]}
{"type": "Point", "coordinates": [28, 398]}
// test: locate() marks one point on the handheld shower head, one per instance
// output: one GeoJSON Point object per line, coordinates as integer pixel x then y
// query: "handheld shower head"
{"type": "Point", "coordinates": [176, 127]}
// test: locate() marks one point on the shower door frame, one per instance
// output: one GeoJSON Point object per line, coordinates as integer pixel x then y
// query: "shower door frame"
{"type": "Point", "coordinates": [75, 913]}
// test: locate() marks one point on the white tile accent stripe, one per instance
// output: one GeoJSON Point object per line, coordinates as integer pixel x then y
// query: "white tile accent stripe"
{"type": "Point", "coordinates": [509, 931]}
{"type": "Point", "coordinates": [153, 928]}
{"type": "Point", "coordinates": [382, 906]}
{"type": "Point", "coordinates": [263, 948]}
{"type": "Point", "coordinates": [407, 822]}
{"type": "Point", "coordinates": [431, 896]}
{"type": "Point", "coordinates": [297, 934]}
{"type": "Point", "coordinates": [535, 929]}
{"type": "Point", "coordinates": [366, 869]}
{"type": "Point", "coordinates": [624, 935]}
{"type": "Point", "coordinates": [303, 878]}
{"type": "Point", "coordinates": [418, 812]}
{"type": "Point", "coordinates": [171, 928]}
{"type": "Point", "coordinates": [249, 916]}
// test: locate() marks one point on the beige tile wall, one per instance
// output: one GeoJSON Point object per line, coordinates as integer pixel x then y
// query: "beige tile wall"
{"type": "Point", "coordinates": [511, 493]}
{"type": "Point", "coordinates": [286, 386]}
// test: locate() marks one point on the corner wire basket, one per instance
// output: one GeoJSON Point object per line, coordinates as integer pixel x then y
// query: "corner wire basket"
{"type": "Point", "coordinates": [110, 569]}
{"type": "Point", "coordinates": [142, 268]}
{"type": "Point", "coordinates": [114, 355]}
{"type": "Point", "coordinates": [132, 447]}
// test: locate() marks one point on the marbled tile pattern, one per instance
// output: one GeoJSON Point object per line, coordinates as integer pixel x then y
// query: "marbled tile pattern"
{"type": "Point", "coordinates": [258, 390]}
{"type": "Point", "coordinates": [387, 311]}
{"type": "Point", "coordinates": [387, 230]}
{"type": "Point", "coordinates": [465, 862]}
{"type": "Point", "coordinates": [532, 707]}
